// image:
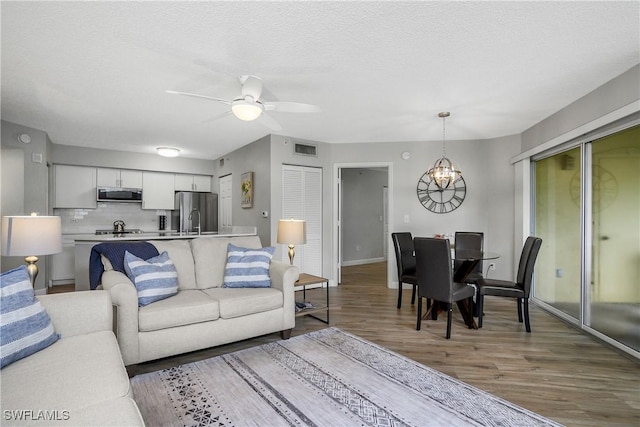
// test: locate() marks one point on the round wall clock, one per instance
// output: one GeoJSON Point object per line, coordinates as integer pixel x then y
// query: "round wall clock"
{"type": "Point", "coordinates": [439, 200]}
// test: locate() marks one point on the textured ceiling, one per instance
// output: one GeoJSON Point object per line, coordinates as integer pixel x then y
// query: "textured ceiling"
{"type": "Point", "coordinates": [95, 73]}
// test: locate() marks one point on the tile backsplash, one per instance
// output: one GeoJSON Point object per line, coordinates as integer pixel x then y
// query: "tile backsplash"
{"type": "Point", "coordinates": [89, 220]}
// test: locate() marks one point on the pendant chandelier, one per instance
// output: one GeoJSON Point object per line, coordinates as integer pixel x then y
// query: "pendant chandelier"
{"type": "Point", "coordinates": [444, 172]}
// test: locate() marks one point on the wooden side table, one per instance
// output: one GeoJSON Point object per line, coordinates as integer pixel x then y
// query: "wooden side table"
{"type": "Point", "coordinates": [304, 281]}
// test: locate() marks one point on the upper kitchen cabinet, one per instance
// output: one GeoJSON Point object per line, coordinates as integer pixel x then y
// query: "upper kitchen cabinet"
{"type": "Point", "coordinates": [185, 182]}
{"type": "Point", "coordinates": [74, 187]}
{"type": "Point", "coordinates": [157, 190]}
{"type": "Point", "coordinates": [125, 178]}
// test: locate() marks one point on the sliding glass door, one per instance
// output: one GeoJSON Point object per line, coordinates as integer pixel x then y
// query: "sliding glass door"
{"type": "Point", "coordinates": [587, 211]}
{"type": "Point", "coordinates": [613, 297]}
{"type": "Point", "coordinates": [557, 212]}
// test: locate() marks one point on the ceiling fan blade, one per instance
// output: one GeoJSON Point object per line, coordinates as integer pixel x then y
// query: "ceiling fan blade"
{"type": "Point", "coordinates": [217, 117]}
{"type": "Point", "coordinates": [291, 107]}
{"type": "Point", "coordinates": [195, 95]}
{"type": "Point", "coordinates": [269, 122]}
{"type": "Point", "coordinates": [251, 86]}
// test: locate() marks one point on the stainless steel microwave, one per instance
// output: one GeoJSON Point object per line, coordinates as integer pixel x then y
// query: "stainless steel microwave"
{"type": "Point", "coordinates": [112, 194]}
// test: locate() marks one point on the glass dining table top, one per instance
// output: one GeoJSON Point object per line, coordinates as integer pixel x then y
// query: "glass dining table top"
{"type": "Point", "coordinates": [474, 255]}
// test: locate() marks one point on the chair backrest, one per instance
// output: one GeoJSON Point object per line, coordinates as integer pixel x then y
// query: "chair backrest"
{"type": "Point", "coordinates": [527, 262]}
{"type": "Point", "coordinates": [405, 258]}
{"type": "Point", "coordinates": [433, 268]}
{"type": "Point", "coordinates": [465, 240]}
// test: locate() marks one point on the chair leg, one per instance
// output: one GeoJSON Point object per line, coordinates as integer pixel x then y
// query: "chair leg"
{"type": "Point", "coordinates": [413, 295]}
{"type": "Point", "coordinates": [449, 312]}
{"type": "Point", "coordinates": [519, 301]}
{"type": "Point", "coordinates": [399, 294]}
{"type": "Point", "coordinates": [527, 324]}
{"type": "Point", "coordinates": [419, 313]}
{"type": "Point", "coordinates": [480, 303]}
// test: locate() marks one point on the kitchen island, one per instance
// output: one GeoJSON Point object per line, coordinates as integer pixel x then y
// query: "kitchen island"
{"type": "Point", "coordinates": [84, 243]}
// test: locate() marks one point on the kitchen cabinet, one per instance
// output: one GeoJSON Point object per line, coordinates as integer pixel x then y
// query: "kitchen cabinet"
{"type": "Point", "coordinates": [108, 177]}
{"type": "Point", "coordinates": [157, 190]}
{"type": "Point", "coordinates": [185, 182]}
{"type": "Point", "coordinates": [74, 187]}
{"type": "Point", "coordinates": [63, 263]}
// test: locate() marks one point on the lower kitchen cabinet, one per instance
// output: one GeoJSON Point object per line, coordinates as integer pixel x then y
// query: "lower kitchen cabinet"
{"type": "Point", "coordinates": [157, 190]}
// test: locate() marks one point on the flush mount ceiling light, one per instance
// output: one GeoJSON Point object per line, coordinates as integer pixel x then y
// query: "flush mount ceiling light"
{"type": "Point", "coordinates": [168, 151]}
{"type": "Point", "coordinates": [444, 172]}
{"type": "Point", "coordinates": [246, 108]}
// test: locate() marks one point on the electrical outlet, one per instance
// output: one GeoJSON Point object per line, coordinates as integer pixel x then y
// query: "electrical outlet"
{"type": "Point", "coordinates": [492, 266]}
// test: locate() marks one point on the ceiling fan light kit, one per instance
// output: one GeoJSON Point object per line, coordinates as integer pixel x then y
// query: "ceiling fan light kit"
{"type": "Point", "coordinates": [246, 110]}
{"type": "Point", "coordinates": [444, 171]}
{"type": "Point", "coordinates": [168, 151]}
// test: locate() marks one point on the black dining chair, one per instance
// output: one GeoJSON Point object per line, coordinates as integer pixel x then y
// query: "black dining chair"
{"type": "Point", "coordinates": [465, 240]}
{"type": "Point", "coordinates": [406, 263]}
{"type": "Point", "coordinates": [519, 289]}
{"type": "Point", "coordinates": [435, 277]}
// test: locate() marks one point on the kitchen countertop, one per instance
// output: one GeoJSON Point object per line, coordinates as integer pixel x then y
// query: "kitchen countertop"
{"type": "Point", "coordinates": [165, 235]}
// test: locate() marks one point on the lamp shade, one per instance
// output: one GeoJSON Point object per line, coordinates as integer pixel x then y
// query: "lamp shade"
{"type": "Point", "coordinates": [31, 235]}
{"type": "Point", "coordinates": [292, 232]}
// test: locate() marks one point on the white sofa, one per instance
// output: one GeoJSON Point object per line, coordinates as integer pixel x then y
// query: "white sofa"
{"type": "Point", "coordinates": [203, 314]}
{"type": "Point", "coordinates": [79, 380]}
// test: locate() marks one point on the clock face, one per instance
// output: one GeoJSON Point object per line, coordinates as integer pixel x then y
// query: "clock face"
{"type": "Point", "coordinates": [439, 200]}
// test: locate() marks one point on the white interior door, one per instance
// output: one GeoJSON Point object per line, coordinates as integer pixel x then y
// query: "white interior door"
{"type": "Point", "coordinates": [302, 199]}
{"type": "Point", "coordinates": [225, 200]}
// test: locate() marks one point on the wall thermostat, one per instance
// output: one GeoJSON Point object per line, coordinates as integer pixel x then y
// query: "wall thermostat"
{"type": "Point", "coordinates": [406, 155]}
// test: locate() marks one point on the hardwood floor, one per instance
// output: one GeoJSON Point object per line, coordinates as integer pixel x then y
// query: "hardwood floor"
{"type": "Point", "coordinates": [556, 371]}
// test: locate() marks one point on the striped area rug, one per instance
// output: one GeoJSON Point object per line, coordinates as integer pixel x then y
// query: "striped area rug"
{"type": "Point", "coordinates": [323, 378]}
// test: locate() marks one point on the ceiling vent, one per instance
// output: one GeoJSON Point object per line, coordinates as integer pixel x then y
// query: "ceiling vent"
{"type": "Point", "coordinates": [305, 149]}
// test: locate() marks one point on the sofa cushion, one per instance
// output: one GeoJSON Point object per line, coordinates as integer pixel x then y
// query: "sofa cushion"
{"type": "Point", "coordinates": [210, 255]}
{"type": "Point", "coordinates": [73, 373]}
{"type": "Point", "coordinates": [155, 279]}
{"type": "Point", "coordinates": [25, 326]}
{"type": "Point", "coordinates": [247, 268]}
{"type": "Point", "coordinates": [180, 253]}
{"type": "Point", "coordinates": [185, 308]}
{"type": "Point", "coordinates": [236, 302]}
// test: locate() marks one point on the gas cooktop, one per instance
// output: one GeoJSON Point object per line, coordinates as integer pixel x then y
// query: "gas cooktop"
{"type": "Point", "coordinates": [132, 231]}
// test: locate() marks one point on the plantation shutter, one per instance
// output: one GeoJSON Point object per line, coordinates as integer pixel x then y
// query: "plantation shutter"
{"type": "Point", "coordinates": [302, 199]}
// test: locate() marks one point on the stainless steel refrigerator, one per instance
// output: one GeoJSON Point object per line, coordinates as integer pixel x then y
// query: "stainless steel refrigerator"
{"type": "Point", "coordinates": [193, 210]}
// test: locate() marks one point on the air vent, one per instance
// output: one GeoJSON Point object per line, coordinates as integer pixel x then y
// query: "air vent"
{"type": "Point", "coordinates": [305, 150]}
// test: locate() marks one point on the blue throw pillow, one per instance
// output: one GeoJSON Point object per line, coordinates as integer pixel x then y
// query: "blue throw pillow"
{"type": "Point", "coordinates": [25, 327]}
{"type": "Point", "coordinates": [155, 278]}
{"type": "Point", "coordinates": [247, 268]}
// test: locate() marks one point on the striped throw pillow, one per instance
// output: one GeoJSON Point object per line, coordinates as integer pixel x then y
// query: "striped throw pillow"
{"type": "Point", "coordinates": [155, 278]}
{"type": "Point", "coordinates": [247, 268]}
{"type": "Point", "coordinates": [25, 327]}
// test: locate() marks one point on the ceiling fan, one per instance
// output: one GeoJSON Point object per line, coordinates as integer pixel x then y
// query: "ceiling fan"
{"type": "Point", "coordinates": [249, 106]}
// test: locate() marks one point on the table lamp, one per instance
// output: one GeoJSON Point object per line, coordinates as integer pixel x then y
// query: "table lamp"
{"type": "Point", "coordinates": [292, 232]}
{"type": "Point", "coordinates": [31, 236]}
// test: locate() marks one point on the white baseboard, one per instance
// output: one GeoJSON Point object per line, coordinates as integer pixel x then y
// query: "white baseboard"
{"type": "Point", "coordinates": [362, 261]}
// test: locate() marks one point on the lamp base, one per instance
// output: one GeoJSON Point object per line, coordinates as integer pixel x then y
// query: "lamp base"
{"type": "Point", "coordinates": [292, 253]}
{"type": "Point", "coordinates": [32, 269]}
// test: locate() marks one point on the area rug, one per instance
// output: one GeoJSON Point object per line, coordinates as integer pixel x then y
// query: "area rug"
{"type": "Point", "coordinates": [323, 378]}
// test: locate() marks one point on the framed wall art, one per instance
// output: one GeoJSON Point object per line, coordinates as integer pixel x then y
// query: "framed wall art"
{"type": "Point", "coordinates": [246, 185]}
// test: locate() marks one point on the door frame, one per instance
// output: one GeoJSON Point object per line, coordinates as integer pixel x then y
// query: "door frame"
{"type": "Point", "coordinates": [336, 257]}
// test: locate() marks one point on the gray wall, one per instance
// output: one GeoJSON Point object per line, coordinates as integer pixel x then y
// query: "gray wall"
{"type": "Point", "coordinates": [362, 212]}
{"type": "Point", "coordinates": [71, 155]}
{"type": "Point", "coordinates": [254, 158]}
{"type": "Point", "coordinates": [35, 182]}
{"type": "Point", "coordinates": [617, 93]}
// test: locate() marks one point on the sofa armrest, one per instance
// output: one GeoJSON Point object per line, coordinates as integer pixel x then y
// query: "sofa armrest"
{"type": "Point", "coordinates": [283, 277]}
{"type": "Point", "coordinates": [78, 313]}
{"type": "Point", "coordinates": [125, 299]}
